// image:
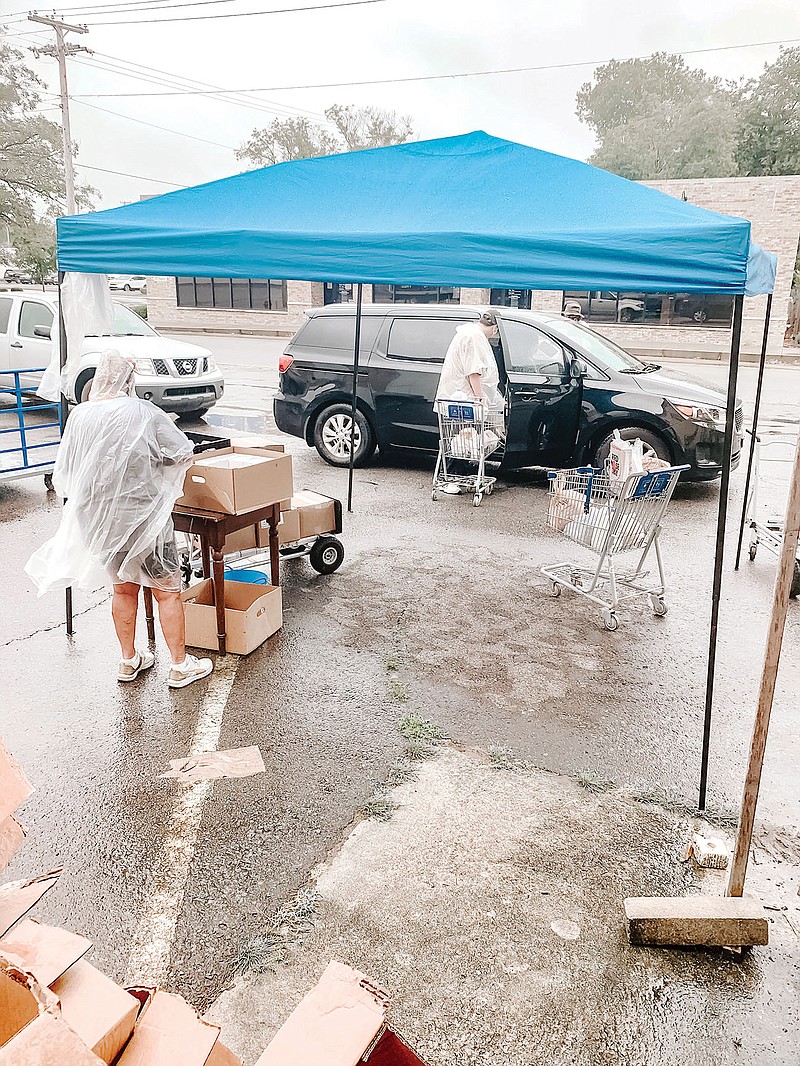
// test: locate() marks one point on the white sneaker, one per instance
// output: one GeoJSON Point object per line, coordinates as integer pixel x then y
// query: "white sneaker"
{"type": "Point", "coordinates": [129, 669]}
{"type": "Point", "coordinates": [189, 671]}
{"type": "Point", "coordinates": [452, 489]}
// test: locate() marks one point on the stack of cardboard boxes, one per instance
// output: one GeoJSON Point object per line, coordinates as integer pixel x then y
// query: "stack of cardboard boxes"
{"type": "Point", "coordinates": [56, 1009]}
{"type": "Point", "coordinates": [253, 472]}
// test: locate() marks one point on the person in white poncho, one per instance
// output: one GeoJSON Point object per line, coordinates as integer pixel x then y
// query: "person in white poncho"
{"type": "Point", "coordinates": [120, 468]}
{"type": "Point", "coordinates": [469, 372]}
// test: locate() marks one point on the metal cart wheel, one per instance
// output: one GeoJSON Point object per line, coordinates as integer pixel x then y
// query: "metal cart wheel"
{"type": "Point", "coordinates": [434, 495]}
{"type": "Point", "coordinates": [48, 482]}
{"type": "Point", "coordinates": [476, 499]}
{"type": "Point", "coordinates": [752, 551]}
{"type": "Point", "coordinates": [326, 555]}
{"type": "Point", "coordinates": [555, 590]}
{"type": "Point", "coordinates": [610, 621]}
{"type": "Point", "coordinates": [658, 605]}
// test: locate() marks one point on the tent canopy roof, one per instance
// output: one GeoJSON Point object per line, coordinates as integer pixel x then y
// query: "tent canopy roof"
{"type": "Point", "coordinates": [474, 211]}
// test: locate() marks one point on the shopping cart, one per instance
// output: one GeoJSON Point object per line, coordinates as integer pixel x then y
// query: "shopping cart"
{"type": "Point", "coordinates": [22, 418]}
{"type": "Point", "coordinates": [611, 519]}
{"type": "Point", "coordinates": [469, 431]}
{"type": "Point", "coordinates": [767, 529]}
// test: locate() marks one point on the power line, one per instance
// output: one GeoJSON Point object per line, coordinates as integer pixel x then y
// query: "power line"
{"type": "Point", "coordinates": [138, 177]}
{"type": "Point", "coordinates": [152, 125]}
{"type": "Point", "coordinates": [176, 80]}
{"type": "Point", "coordinates": [448, 77]}
{"type": "Point", "coordinates": [116, 8]}
{"type": "Point", "coordinates": [239, 14]}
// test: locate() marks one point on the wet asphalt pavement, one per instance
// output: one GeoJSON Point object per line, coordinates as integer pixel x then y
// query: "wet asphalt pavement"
{"type": "Point", "coordinates": [449, 593]}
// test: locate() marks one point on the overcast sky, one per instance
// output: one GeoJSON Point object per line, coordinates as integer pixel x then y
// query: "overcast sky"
{"type": "Point", "coordinates": [386, 39]}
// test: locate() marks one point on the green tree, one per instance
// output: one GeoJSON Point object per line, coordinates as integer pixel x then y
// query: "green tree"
{"type": "Point", "coordinates": [769, 134]}
{"type": "Point", "coordinates": [36, 249]}
{"type": "Point", "coordinates": [349, 129]}
{"type": "Point", "coordinates": [657, 118]}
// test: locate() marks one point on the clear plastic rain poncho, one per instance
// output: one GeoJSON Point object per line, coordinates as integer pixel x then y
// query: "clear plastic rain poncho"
{"type": "Point", "coordinates": [120, 467]}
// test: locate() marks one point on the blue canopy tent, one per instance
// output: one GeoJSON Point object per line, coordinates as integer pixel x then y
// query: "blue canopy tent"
{"type": "Point", "coordinates": [473, 211]}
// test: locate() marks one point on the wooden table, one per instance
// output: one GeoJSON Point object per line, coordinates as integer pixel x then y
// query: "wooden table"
{"type": "Point", "coordinates": [212, 528]}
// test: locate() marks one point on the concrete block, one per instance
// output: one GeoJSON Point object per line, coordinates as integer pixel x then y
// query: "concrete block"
{"type": "Point", "coordinates": [696, 921]}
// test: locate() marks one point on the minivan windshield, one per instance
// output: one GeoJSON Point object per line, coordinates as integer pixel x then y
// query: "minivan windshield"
{"type": "Point", "coordinates": [601, 349]}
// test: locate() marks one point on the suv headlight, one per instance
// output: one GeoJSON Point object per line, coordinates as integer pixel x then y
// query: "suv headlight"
{"type": "Point", "coordinates": [145, 366]}
{"type": "Point", "coordinates": [210, 365]}
{"type": "Point", "coordinates": [711, 416]}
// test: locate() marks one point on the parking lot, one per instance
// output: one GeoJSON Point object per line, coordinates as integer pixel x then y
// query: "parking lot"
{"type": "Point", "coordinates": [439, 610]}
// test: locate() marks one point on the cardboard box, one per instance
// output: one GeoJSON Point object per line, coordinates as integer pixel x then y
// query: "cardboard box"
{"type": "Point", "coordinates": [169, 1031]}
{"type": "Point", "coordinates": [47, 1041]}
{"type": "Point", "coordinates": [252, 613]}
{"type": "Point", "coordinates": [241, 540]}
{"type": "Point", "coordinates": [44, 950]}
{"type": "Point", "coordinates": [317, 513]}
{"type": "Point", "coordinates": [236, 479]}
{"type": "Point", "coordinates": [14, 785]}
{"type": "Point", "coordinates": [288, 530]}
{"type": "Point", "coordinates": [99, 1011]}
{"type": "Point", "coordinates": [17, 897]}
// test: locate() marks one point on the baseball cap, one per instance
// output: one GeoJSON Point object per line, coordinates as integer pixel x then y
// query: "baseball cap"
{"type": "Point", "coordinates": [489, 318]}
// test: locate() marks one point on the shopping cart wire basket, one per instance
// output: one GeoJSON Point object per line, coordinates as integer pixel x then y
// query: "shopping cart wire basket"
{"type": "Point", "coordinates": [611, 518]}
{"type": "Point", "coordinates": [468, 431]}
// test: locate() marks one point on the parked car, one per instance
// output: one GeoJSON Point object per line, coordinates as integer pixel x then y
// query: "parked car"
{"type": "Point", "coordinates": [127, 282]}
{"type": "Point", "coordinates": [175, 375]}
{"type": "Point", "coordinates": [607, 306]}
{"type": "Point", "coordinates": [568, 389]}
{"type": "Point", "coordinates": [700, 307]}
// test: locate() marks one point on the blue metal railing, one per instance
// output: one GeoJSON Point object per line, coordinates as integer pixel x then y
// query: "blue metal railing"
{"type": "Point", "coordinates": [23, 428]}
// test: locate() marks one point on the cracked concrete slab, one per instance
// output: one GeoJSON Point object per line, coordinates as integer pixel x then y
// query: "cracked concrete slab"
{"type": "Point", "coordinates": [490, 907]}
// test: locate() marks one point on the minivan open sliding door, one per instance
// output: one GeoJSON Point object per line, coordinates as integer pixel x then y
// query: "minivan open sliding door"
{"type": "Point", "coordinates": [544, 401]}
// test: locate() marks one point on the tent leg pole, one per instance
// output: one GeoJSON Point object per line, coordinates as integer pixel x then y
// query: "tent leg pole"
{"type": "Point", "coordinates": [772, 654]}
{"type": "Point", "coordinates": [356, 350]}
{"type": "Point", "coordinates": [63, 413]}
{"type": "Point", "coordinates": [722, 516]}
{"type": "Point", "coordinates": [754, 429]}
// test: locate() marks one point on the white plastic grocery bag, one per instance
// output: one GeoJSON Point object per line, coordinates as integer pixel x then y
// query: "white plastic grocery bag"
{"type": "Point", "coordinates": [625, 457]}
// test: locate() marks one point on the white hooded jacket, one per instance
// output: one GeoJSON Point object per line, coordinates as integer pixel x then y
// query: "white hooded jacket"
{"type": "Point", "coordinates": [469, 353]}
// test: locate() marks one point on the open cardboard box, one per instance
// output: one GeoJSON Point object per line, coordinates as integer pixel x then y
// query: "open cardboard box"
{"type": "Point", "coordinates": [258, 440]}
{"type": "Point", "coordinates": [341, 1022]}
{"type": "Point", "coordinates": [252, 613]}
{"type": "Point", "coordinates": [170, 1033]}
{"type": "Point", "coordinates": [237, 479]}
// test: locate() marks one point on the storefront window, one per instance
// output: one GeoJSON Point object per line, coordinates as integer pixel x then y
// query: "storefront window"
{"type": "Point", "coordinates": [415, 294]}
{"type": "Point", "coordinates": [652, 308]}
{"type": "Point", "coordinates": [511, 298]}
{"type": "Point", "coordinates": [243, 294]}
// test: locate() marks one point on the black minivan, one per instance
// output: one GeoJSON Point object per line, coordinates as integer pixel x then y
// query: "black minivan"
{"type": "Point", "coordinates": [567, 388]}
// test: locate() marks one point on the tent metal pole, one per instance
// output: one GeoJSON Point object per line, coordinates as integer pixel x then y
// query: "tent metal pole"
{"type": "Point", "coordinates": [63, 413]}
{"type": "Point", "coordinates": [356, 350]}
{"type": "Point", "coordinates": [754, 430]}
{"type": "Point", "coordinates": [722, 516]}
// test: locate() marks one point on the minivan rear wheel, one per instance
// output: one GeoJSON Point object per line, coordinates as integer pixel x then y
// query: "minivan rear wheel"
{"type": "Point", "coordinates": [332, 435]}
{"type": "Point", "coordinates": [653, 445]}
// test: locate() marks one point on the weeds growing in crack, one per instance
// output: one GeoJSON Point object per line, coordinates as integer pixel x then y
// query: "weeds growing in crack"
{"type": "Point", "coordinates": [594, 781]}
{"type": "Point", "coordinates": [393, 662]}
{"type": "Point", "coordinates": [398, 690]}
{"type": "Point", "coordinates": [422, 737]}
{"type": "Point", "coordinates": [379, 806]}
{"type": "Point", "coordinates": [506, 759]}
{"type": "Point", "coordinates": [289, 926]}
{"type": "Point", "coordinates": [402, 771]}
{"type": "Point", "coordinates": [660, 797]}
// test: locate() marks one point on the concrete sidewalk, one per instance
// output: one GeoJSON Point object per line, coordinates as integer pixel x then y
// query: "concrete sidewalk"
{"type": "Point", "coordinates": [490, 907]}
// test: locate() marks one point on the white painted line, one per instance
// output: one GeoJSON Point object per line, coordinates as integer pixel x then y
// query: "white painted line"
{"type": "Point", "coordinates": [148, 962]}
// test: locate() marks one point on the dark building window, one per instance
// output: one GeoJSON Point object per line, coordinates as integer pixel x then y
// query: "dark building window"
{"type": "Point", "coordinates": [241, 294]}
{"type": "Point", "coordinates": [511, 298]}
{"type": "Point", "coordinates": [415, 294]}
{"type": "Point", "coordinates": [653, 308]}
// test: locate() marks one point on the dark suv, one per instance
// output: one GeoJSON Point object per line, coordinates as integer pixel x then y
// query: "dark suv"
{"type": "Point", "coordinates": [567, 389]}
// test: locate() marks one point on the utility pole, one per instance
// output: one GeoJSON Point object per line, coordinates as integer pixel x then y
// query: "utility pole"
{"type": "Point", "coordinates": [61, 50]}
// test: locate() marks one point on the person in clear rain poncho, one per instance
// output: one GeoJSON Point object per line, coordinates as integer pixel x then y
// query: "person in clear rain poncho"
{"type": "Point", "coordinates": [120, 468]}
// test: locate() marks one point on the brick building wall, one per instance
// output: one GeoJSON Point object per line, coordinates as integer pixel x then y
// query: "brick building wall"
{"type": "Point", "coordinates": [163, 311]}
